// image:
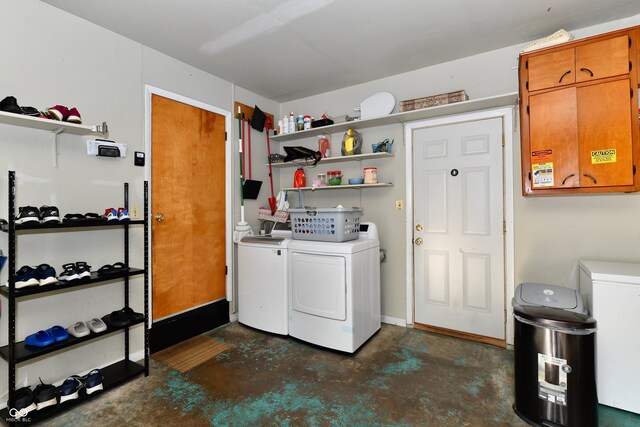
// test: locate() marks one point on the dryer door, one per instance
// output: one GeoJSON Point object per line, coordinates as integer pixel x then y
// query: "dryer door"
{"type": "Point", "coordinates": [318, 285]}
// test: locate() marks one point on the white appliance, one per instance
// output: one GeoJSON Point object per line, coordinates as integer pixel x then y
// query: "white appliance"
{"type": "Point", "coordinates": [262, 283]}
{"type": "Point", "coordinates": [335, 290]}
{"type": "Point", "coordinates": [612, 294]}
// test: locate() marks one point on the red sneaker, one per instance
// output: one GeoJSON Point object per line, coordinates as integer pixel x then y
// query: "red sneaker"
{"type": "Point", "coordinates": [58, 112]}
{"type": "Point", "coordinates": [74, 116]}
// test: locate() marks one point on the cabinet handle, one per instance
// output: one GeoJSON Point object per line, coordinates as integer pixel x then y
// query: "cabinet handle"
{"type": "Point", "coordinates": [586, 70]}
{"type": "Point", "coordinates": [565, 180]}
{"type": "Point", "coordinates": [567, 73]}
{"type": "Point", "coordinates": [595, 181]}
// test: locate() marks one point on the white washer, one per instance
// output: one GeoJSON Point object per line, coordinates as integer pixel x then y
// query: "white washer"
{"type": "Point", "coordinates": [335, 290]}
{"type": "Point", "coordinates": [262, 283]}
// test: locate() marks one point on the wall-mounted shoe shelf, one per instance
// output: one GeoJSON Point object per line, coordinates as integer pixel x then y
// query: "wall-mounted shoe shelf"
{"type": "Point", "coordinates": [18, 352]}
{"type": "Point", "coordinates": [53, 126]}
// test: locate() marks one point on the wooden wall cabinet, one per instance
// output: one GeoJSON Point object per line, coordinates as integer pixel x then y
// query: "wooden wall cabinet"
{"type": "Point", "coordinates": [579, 116]}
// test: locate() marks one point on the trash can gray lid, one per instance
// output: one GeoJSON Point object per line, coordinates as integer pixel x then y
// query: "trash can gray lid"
{"type": "Point", "coordinates": [542, 295]}
{"type": "Point", "coordinates": [554, 318]}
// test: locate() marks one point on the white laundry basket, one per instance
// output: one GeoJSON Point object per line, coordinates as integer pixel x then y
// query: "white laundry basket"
{"type": "Point", "coordinates": [325, 224]}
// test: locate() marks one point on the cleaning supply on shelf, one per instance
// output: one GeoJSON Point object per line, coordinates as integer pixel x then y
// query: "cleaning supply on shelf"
{"type": "Point", "coordinates": [351, 143]}
{"type": "Point", "coordinates": [324, 146]}
{"type": "Point", "coordinates": [299, 179]}
{"type": "Point", "coordinates": [292, 123]}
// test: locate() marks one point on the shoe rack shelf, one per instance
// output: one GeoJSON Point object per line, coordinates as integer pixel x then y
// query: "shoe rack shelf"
{"type": "Point", "coordinates": [24, 352]}
{"type": "Point", "coordinates": [114, 376]}
{"type": "Point", "coordinates": [18, 352]}
{"type": "Point", "coordinates": [95, 278]}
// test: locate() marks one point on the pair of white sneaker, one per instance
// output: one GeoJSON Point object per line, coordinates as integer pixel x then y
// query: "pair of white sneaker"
{"type": "Point", "coordinates": [82, 329]}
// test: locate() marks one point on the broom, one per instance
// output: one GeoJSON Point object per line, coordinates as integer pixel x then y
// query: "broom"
{"type": "Point", "coordinates": [242, 228]}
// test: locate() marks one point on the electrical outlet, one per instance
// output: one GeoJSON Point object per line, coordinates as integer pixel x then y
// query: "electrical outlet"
{"type": "Point", "coordinates": [399, 205]}
{"type": "Point", "coordinates": [135, 212]}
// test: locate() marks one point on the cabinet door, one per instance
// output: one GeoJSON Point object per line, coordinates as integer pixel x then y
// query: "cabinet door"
{"type": "Point", "coordinates": [552, 69]}
{"type": "Point", "coordinates": [553, 136]}
{"type": "Point", "coordinates": [604, 132]}
{"type": "Point", "coordinates": [601, 59]}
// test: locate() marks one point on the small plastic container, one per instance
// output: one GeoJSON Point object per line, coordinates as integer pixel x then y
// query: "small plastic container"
{"type": "Point", "coordinates": [323, 179]}
{"type": "Point", "coordinates": [334, 177]}
{"type": "Point", "coordinates": [370, 175]}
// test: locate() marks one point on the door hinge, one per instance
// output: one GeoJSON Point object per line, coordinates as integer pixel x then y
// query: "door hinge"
{"type": "Point", "coordinates": [526, 64]}
{"type": "Point", "coordinates": [503, 139]}
{"type": "Point", "coordinates": [225, 135]}
{"type": "Point", "coordinates": [527, 109]}
{"type": "Point", "coordinates": [504, 227]}
{"type": "Point", "coordinates": [226, 270]}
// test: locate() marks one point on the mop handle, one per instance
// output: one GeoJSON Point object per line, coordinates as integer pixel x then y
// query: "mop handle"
{"type": "Point", "coordinates": [269, 154]}
{"type": "Point", "coordinates": [249, 147]}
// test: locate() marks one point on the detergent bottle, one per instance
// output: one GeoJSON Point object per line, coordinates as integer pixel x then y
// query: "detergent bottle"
{"type": "Point", "coordinates": [299, 179]}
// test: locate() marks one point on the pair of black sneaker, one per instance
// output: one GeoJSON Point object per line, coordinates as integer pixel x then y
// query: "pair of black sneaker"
{"type": "Point", "coordinates": [44, 215]}
{"type": "Point", "coordinates": [25, 400]}
{"type": "Point", "coordinates": [75, 271]}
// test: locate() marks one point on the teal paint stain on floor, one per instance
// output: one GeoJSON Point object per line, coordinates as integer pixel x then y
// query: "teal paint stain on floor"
{"type": "Point", "coordinates": [181, 392]}
{"type": "Point", "coordinates": [475, 386]}
{"type": "Point", "coordinates": [409, 364]}
{"type": "Point", "coordinates": [461, 362]}
{"type": "Point", "coordinates": [251, 411]}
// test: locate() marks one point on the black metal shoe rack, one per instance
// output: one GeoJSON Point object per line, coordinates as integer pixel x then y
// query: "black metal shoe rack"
{"type": "Point", "coordinates": [16, 353]}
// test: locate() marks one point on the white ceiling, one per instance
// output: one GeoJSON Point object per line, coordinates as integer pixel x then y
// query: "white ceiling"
{"type": "Point", "coordinates": [289, 49]}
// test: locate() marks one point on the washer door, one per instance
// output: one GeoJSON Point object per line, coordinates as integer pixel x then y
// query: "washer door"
{"type": "Point", "coordinates": [318, 285]}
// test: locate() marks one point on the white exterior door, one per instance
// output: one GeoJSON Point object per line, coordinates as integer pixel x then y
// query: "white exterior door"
{"type": "Point", "coordinates": [458, 216]}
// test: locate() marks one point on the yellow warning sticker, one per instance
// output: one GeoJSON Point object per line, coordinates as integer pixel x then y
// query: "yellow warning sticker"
{"type": "Point", "coordinates": [542, 174]}
{"type": "Point", "coordinates": [603, 156]}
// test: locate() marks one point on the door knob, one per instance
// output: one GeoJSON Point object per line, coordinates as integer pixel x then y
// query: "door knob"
{"type": "Point", "coordinates": [419, 227]}
{"type": "Point", "coordinates": [159, 217]}
{"type": "Point", "coordinates": [419, 241]}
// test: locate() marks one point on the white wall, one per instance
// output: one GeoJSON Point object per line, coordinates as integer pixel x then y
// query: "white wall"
{"type": "Point", "coordinates": [51, 57]}
{"type": "Point", "coordinates": [551, 233]}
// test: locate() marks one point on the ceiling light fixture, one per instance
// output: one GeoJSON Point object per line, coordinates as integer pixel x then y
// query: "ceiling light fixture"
{"type": "Point", "coordinates": [263, 24]}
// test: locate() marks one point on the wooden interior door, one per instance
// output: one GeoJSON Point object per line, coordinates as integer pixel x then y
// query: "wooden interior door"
{"type": "Point", "coordinates": [187, 206]}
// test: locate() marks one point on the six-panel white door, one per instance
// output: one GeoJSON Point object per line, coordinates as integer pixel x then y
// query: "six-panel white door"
{"type": "Point", "coordinates": [458, 227]}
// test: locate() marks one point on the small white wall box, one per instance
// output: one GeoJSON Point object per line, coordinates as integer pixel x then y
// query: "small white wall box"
{"type": "Point", "coordinates": [106, 148]}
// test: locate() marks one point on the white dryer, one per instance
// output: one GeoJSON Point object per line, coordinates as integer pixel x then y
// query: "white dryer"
{"type": "Point", "coordinates": [262, 283]}
{"type": "Point", "coordinates": [335, 290]}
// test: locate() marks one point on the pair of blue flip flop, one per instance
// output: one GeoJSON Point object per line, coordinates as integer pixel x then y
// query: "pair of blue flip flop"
{"type": "Point", "coordinates": [45, 338]}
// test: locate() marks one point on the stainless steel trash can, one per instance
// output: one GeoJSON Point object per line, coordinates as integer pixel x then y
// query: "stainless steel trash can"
{"type": "Point", "coordinates": [554, 346]}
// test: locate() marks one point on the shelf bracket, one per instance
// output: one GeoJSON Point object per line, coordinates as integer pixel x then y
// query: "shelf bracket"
{"type": "Point", "coordinates": [103, 128]}
{"type": "Point", "coordinates": [55, 146]}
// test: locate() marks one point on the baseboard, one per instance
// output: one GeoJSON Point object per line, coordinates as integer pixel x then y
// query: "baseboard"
{"type": "Point", "coordinates": [181, 327]}
{"type": "Point", "coordinates": [394, 321]}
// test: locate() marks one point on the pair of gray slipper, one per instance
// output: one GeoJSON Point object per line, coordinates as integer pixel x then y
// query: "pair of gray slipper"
{"type": "Point", "coordinates": [81, 329]}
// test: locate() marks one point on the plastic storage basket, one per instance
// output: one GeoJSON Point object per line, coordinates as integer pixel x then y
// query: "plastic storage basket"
{"type": "Point", "coordinates": [325, 224]}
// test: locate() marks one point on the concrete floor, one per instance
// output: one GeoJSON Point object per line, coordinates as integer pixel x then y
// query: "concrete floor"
{"type": "Point", "coordinates": [401, 377]}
